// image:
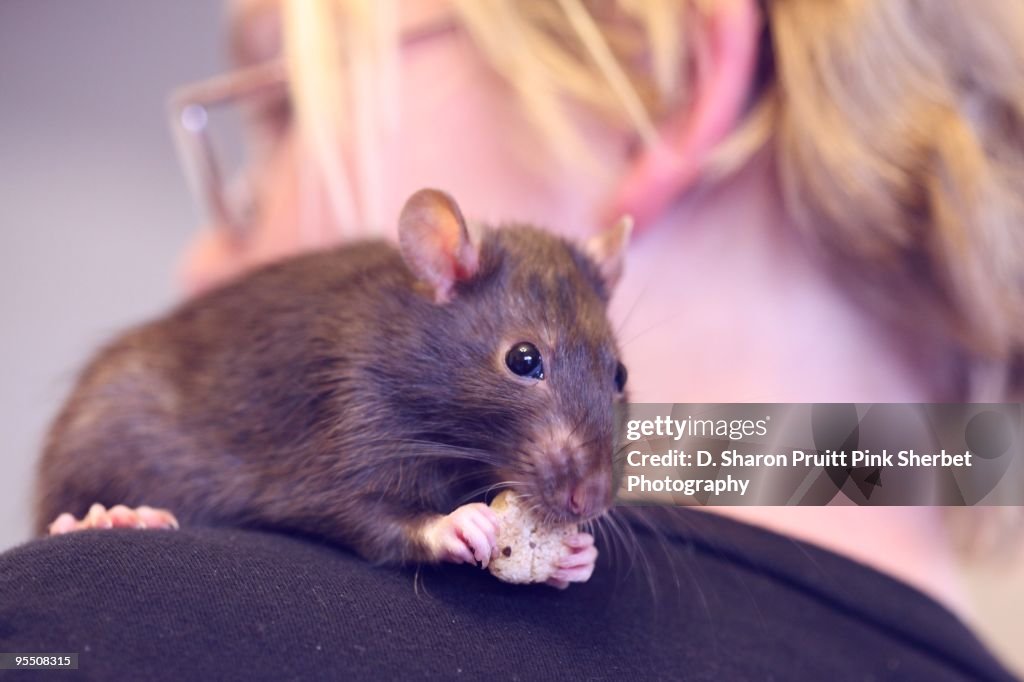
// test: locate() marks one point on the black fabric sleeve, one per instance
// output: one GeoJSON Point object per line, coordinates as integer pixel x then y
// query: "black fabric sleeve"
{"type": "Point", "coordinates": [705, 598]}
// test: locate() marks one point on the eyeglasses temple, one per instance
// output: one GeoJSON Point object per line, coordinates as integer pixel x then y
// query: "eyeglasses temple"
{"type": "Point", "coordinates": [190, 118]}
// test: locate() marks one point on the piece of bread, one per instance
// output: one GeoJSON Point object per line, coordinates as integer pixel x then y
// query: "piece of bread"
{"type": "Point", "coordinates": [528, 552]}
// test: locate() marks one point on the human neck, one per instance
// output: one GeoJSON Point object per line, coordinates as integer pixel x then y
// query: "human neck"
{"type": "Point", "coordinates": [721, 304]}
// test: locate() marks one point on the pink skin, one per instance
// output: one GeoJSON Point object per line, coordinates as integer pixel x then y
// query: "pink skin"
{"type": "Point", "coordinates": [466, 536]}
{"type": "Point", "coordinates": [578, 565]}
{"type": "Point", "coordinates": [119, 516]}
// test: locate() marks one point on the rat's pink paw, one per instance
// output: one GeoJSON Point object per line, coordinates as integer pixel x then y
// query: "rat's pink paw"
{"type": "Point", "coordinates": [578, 565]}
{"type": "Point", "coordinates": [119, 516]}
{"type": "Point", "coordinates": [467, 535]}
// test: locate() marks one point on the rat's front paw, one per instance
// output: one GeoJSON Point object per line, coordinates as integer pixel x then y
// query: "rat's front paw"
{"type": "Point", "coordinates": [118, 516]}
{"type": "Point", "coordinates": [467, 535]}
{"type": "Point", "coordinates": [578, 564]}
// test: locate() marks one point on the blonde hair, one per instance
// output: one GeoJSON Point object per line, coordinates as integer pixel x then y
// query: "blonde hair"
{"type": "Point", "coordinates": [897, 128]}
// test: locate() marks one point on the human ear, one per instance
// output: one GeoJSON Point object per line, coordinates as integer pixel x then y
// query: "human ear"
{"type": "Point", "coordinates": [724, 76]}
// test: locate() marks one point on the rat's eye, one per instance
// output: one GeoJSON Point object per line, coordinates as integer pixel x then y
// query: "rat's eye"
{"type": "Point", "coordinates": [620, 377]}
{"type": "Point", "coordinates": [524, 359]}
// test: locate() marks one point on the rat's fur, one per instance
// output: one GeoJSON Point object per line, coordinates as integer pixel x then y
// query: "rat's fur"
{"type": "Point", "coordinates": [329, 394]}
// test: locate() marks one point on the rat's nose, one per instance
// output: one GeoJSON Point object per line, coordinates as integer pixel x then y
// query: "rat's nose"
{"type": "Point", "coordinates": [578, 500]}
{"type": "Point", "coordinates": [585, 498]}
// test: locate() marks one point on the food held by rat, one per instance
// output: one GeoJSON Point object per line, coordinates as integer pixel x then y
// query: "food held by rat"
{"type": "Point", "coordinates": [369, 395]}
{"type": "Point", "coordinates": [530, 551]}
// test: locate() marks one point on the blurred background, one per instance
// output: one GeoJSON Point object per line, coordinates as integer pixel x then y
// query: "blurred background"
{"type": "Point", "coordinates": [94, 214]}
{"type": "Point", "coordinates": [94, 211]}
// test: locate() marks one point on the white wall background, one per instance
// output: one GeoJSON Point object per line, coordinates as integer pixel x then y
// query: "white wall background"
{"type": "Point", "coordinates": [94, 212]}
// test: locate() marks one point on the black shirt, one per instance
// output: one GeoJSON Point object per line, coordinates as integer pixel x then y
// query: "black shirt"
{"type": "Point", "coordinates": [704, 598]}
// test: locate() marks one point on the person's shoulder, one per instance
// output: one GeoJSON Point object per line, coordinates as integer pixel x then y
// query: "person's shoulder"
{"type": "Point", "coordinates": [686, 594]}
{"type": "Point", "coordinates": [801, 583]}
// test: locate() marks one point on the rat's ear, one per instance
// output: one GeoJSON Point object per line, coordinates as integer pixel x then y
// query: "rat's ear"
{"type": "Point", "coordinates": [608, 250]}
{"type": "Point", "coordinates": [434, 242]}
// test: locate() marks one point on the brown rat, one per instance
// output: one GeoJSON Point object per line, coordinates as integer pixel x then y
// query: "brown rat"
{"type": "Point", "coordinates": [363, 394]}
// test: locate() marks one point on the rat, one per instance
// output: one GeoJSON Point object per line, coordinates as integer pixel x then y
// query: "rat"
{"type": "Point", "coordinates": [371, 395]}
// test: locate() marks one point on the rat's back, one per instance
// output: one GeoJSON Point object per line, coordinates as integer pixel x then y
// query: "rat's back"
{"type": "Point", "coordinates": [193, 412]}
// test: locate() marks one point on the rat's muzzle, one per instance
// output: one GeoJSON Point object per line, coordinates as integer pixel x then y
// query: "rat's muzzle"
{"type": "Point", "coordinates": [588, 498]}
